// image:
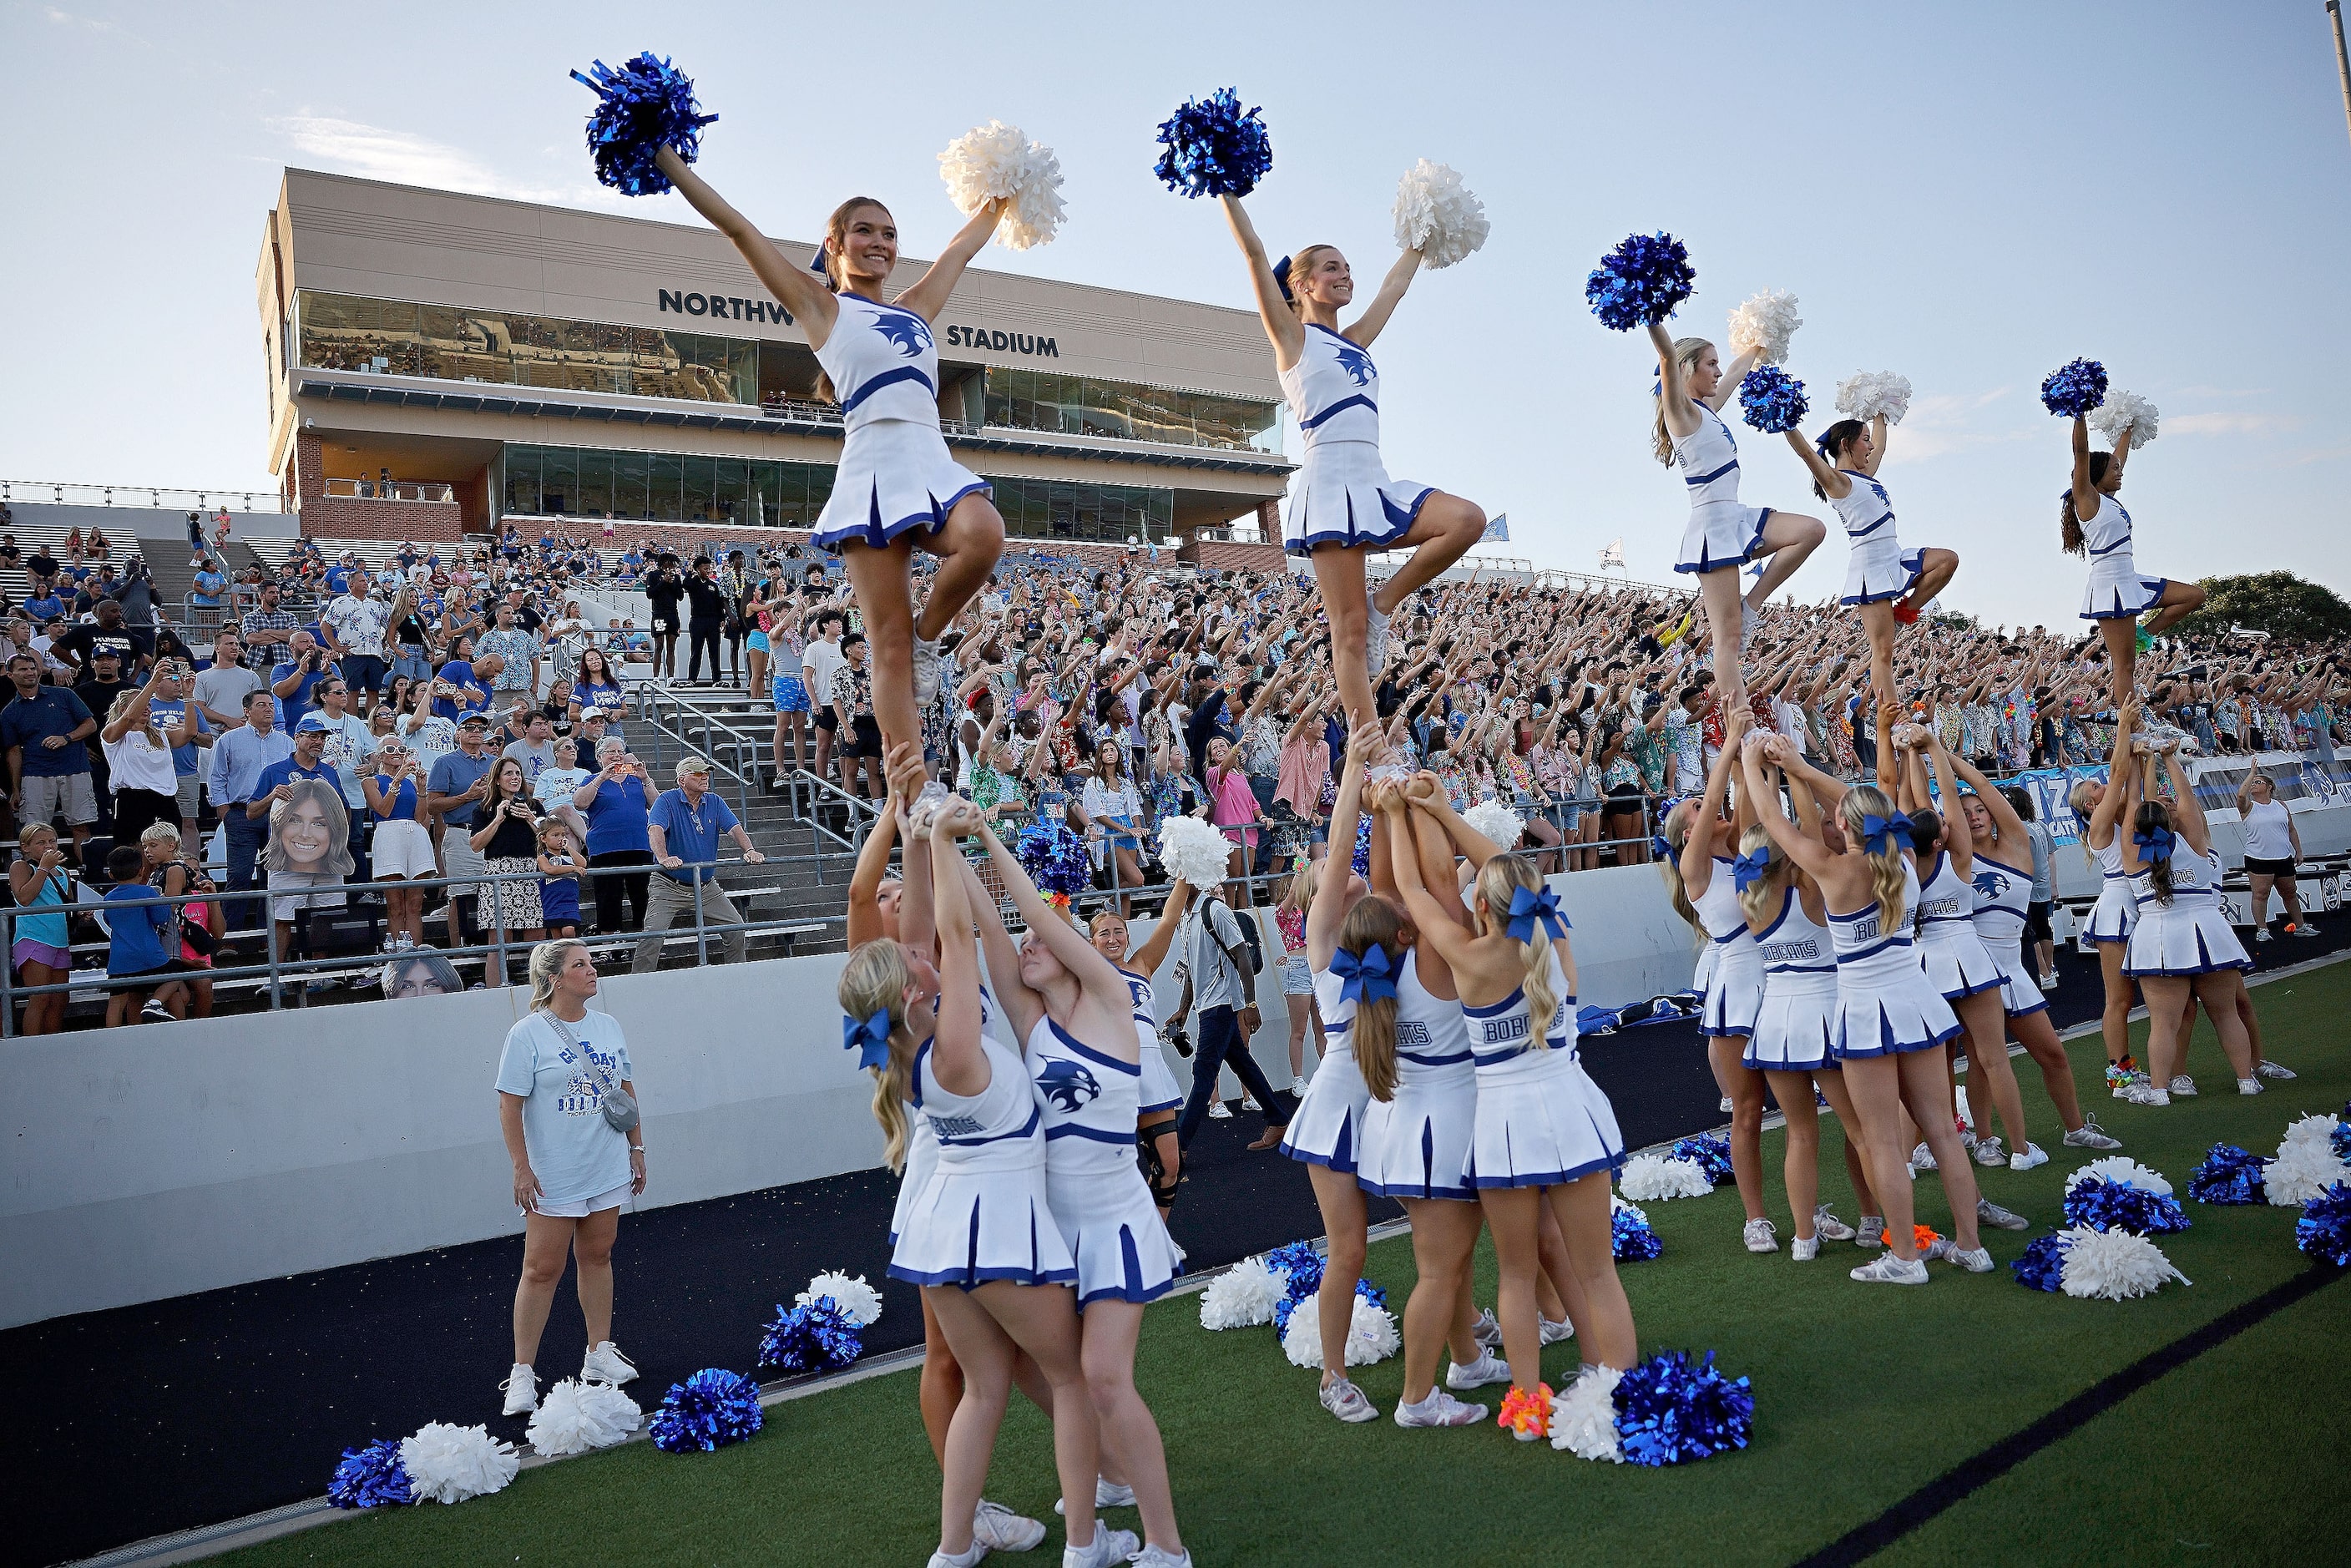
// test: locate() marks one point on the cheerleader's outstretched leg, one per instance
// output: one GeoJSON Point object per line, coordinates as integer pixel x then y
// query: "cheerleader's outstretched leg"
{"type": "Point", "coordinates": [1936, 570]}
{"type": "Point", "coordinates": [1788, 539]}
{"type": "Point", "coordinates": [2179, 601]}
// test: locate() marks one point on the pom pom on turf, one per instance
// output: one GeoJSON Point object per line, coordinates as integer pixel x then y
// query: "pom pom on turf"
{"type": "Point", "coordinates": [2229, 1174]}
{"type": "Point", "coordinates": [997, 160]}
{"type": "Point", "coordinates": [2114, 1266]}
{"type": "Point", "coordinates": [2305, 1165]}
{"type": "Point", "coordinates": [1629, 1235]}
{"type": "Point", "coordinates": [817, 1337]}
{"type": "Point", "coordinates": [2102, 1205]}
{"type": "Point", "coordinates": [1056, 859]}
{"type": "Point", "coordinates": [2121, 1167]}
{"type": "Point", "coordinates": [2126, 411]}
{"type": "Point", "coordinates": [370, 1477]}
{"type": "Point", "coordinates": [1641, 282]}
{"type": "Point", "coordinates": [2043, 1265]}
{"type": "Point", "coordinates": [1371, 1337]}
{"type": "Point", "coordinates": [1712, 1153]}
{"type": "Point", "coordinates": [1243, 1296]}
{"type": "Point", "coordinates": [1526, 1413]}
{"type": "Point", "coordinates": [1194, 852]}
{"type": "Point", "coordinates": [1584, 1417]}
{"type": "Point", "coordinates": [709, 1410]}
{"type": "Point", "coordinates": [573, 1418]}
{"type": "Point", "coordinates": [450, 1464]}
{"type": "Point", "coordinates": [1213, 148]}
{"type": "Point", "coordinates": [1773, 400]}
{"type": "Point", "coordinates": [2325, 1229]}
{"type": "Point", "coordinates": [2316, 1130]}
{"type": "Point", "coordinates": [1497, 821]}
{"type": "Point", "coordinates": [1866, 395]}
{"type": "Point", "coordinates": [1436, 215]}
{"type": "Point", "coordinates": [2074, 388]}
{"type": "Point", "coordinates": [1765, 323]}
{"type": "Point", "coordinates": [645, 105]}
{"type": "Point", "coordinates": [1648, 1177]}
{"type": "Point", "coordinates": [1671, 1410]}
{"type": "Point", "coordinates": [860, 1303]}
{"type": "Point", "coordinates": [1289, 1306]}
{"type": "Point", "coordinates": [1300, 1268]}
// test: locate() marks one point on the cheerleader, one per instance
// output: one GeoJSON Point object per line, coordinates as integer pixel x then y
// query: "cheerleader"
{"type": "Point", "coordinates": [1793, 1045]}
{"type": "Point", "coordinates": [1075, 1011]}
{"type": "Point", "coordinates": [1161, 1097]}
{"type": "Point", "coordinates": [1343, 503]}
{"type": "Point", "coordinates": [2092, 523]}
{"type": "Point", "coordinates": [1888, 1017]}
{"type": "Point", "coordinates": [2099, 804]}
{"type": "Point", "coordinates": [1545, 1136]}
{"type": "Point", "coordinates": [1699, 880]}
{"type": "Point", "coordinates": [978, 1238]}
{"type": "Point", "coordinates": [2182, 944]}
{"type": "Point", "coordinates": [1723, 533]}
{"type": "Point", "coordinates": [1885, 583]}
{"type": "Point", "coordinates": [895, 485]}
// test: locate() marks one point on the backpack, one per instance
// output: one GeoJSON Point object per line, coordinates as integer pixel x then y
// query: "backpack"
{"type": "Point", "coordinates": [1249, 930]}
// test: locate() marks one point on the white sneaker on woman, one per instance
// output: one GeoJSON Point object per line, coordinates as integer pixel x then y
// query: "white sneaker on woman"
{"type": "Point", "coordinates": [1892, 1271]}
{"type": "Point", "coordinates": [1487, 1368]}
{"type": "Point", "coordinates": [1218, 1110]}
{"type": "Point", "coordinates": [1922, 1158]}
{"type": "Point", "coordinates": [1107, 1547]}
{"type": "Point", "coordinates": [1827, 1226]}
{"type": "Point", "coordinates": [999, 1529]}
{"type": "Point", "coordinates": [1108, 1493]}
{"type": "Point", "coordinates": [1347, 1402]}
{"type": "Point", "coordinates": [2272, 1070]}
{"type": "Point", "coordinates": [1375, 633]}
{"type": "Point", "coordinates": [1988, 1153]}
{"type": "Point", "coordinates": [521, 1390]}
{"type": "Point", "coordinates": [2249, 1086]}
{"type": "Point", "coordinates": [605, 1364]}
{"type": "Point", "coordinates": [1485, 1331]}
{"type": "Point", "coordinates": [1757, 1235]}
{"type": "Point", "coordinates": [2089, 1136]}
{"type": "Point", "coordinates": [1440, 1409]}
{"type": "Point", "coordinates": [1804, 1248]}
{"type": "Point", "coordinates": [1554, 1332]}
{"type": "Point", "coordinates": [1160, 1557]}
{"type": "Point", "coordinates": [2031, 1155]}
{"type": "Point", "coordinates": [2184, 1086]}
{"type": "Point", "coordinates": [1297, 1083]}
{"type": "Point", "coordinates": [1872, 1233]}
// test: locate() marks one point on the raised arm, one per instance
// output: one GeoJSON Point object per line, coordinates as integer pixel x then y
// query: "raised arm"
{"type": "Point", "coordinates": [1435, 925]}
{"type": "Point", "coordinates": [928, 296]}
{"type": "Point", "coordinates": [1281, 323]}
{"type": "Point", "coordinates": [809, 300]}
{"type": "Point", "coordinates": [2187, 810]}
{"type": "Point", "coordinates": [872, 869]}
{"type": "Point", "coordinates": [1672, 389]}
{"type": "Point", "coordinates": [1958, 842]}
{"type": "Point", "coordinates": [1400, 276]}
{"type": "Point", "coordinates": [1097, 974]}
{"type": "Point", "coordinates": [2085, 490]}
{"type": "Point", "coordinates": [1823, 474]}
{"type": "Point", "coordinates": [958, 1062]}
{"type": "Point", "coordinates": [1697, 849]}
{"type": "Point", "coordinates": [2110, 809]}
{"type": "Point", "coordinates": [1809, 853]}
{"type": "Point", "coordinates": [1147, 958]}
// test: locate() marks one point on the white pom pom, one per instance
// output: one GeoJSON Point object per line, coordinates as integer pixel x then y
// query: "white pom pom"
{"type": "Point", "coordinates": [2318, 1129]}
{"type": "Point", "coordinates": [1243, 1296]}
{"type": "Point", "coordinates": [1194, 852]}
{"type": "Point", "coordinates": [1618, 1206]}
{"type": "Point", "coordinates": [1436, 215]}
{"type": "Point", "coordinates": [1583, 1419]}
{"type": "Point", "coordinates": [574, 1417]}
{"type": "Point", "coordinates": [450, 1464]}
{"type": "Point", "coordinates": [1650, 1177]}
{"type": "Point", "coordinates": [2302, 1171]}
{"type": "Point", "coordinates": [1765, 324]}
{"type": "Point", "coordinates": [1497, 821]}
{"type": "Point", "coordinates": [2121, 1168]}
{"type": "Point", "coordinates": [1866, 395]}
{"type": "Point", "coordinates": [1301, 1341]}
{"type": "Point", "coordinates": [996, 160]}
{"type": "Point", "coordinates": [2125, 410]}
{"type": "Point", "coordinates": [1372, 1334]}
{"type": "Point", "coordinates": [2113, 1265]}
{"type": "Point", "coordinates": [860, 1303]}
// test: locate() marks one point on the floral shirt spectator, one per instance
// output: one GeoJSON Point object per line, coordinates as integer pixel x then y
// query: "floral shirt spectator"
{"type": "Point", "coordinates": [359, 624]}
{"type": "Point", "coordinates": [517, 648]}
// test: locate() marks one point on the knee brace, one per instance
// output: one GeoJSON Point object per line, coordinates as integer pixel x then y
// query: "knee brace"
{"type": "Point", "coordinates": [1155, 1174]}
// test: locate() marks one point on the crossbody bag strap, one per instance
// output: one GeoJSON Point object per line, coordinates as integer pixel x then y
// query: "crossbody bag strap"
{"type": "Point", "coordinates": [563, 1033]}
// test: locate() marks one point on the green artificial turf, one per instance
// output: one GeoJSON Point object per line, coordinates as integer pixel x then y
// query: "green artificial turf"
{"type": "Point", "coordinates": [1862, 1394]}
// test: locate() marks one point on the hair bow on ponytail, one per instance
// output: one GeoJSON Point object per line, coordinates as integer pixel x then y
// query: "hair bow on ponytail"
{"type": "Point", "coordinates": [1878, 833]}
{"type": "Point", "coordinates": [2155, 846]}
{"type": "Point", "coordinates": [1281, 277]}
{"type": "Point", "coordinates": [1365, 979]}
{"type": "Point", "coordinates": [1528, 908]}
{"type": "Point", "coordinates": [1747, 869]}
{"type": "Point", "coordinates": [1661, 846]}
{"type": "Point", "coordinates": [870, 1040]}
{"type": "Point", "coordinates": [817, 265]}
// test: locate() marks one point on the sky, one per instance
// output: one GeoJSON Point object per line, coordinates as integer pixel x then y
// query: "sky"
{"type": "Point", "coordinates": [1968, 195]}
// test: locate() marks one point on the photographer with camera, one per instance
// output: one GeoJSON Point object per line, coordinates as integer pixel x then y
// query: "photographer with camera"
{"type": "Point", "coordinates": [139, 752]}
{"type": "Point", "coordinates": [294, 682]}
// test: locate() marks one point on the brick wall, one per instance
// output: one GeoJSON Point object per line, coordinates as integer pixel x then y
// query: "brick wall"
{"type": "Point", "coordinates": [1227, 556]}
{"type": "Point", "coordinates": [356, 517]}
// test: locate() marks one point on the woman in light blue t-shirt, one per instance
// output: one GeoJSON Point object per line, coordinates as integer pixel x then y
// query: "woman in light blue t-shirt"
{"type": "Point", "coordinates": [572, 1169]}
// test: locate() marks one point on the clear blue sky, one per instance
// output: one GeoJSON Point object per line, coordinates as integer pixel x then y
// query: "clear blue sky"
{"type": "Point", "coordinates": [1970, 195]}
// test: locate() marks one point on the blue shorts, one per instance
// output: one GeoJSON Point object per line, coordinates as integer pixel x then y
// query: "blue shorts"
{"type": "Point", "coordinates": [757, 640]}
{"type": "Point", "coordinates": [790, 696]}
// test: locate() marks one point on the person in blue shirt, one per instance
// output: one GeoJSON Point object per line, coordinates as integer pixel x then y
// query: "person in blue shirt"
{"type": "Point", "coordinates": [44, 608]}
{"type": "Point", "coordinates": [302, 798]}
{"type": "Point", "coordinates": [208, 587]}
{"type": "Point", "coordinates": [685, 827]}
{"type": "Point", "coordinates": [454, 788]}
{"type": "Point", "coordinates": [293, 682]}
{"type": "Point", "coordinates": [41, 731]}
{"type": "Point", "coordinates": [239, 758]}
{"type": "Point", "coordinates": [187, 764]}
{"type": "Point", "coordinates": [456, 690]}
{"type": "Point", "coordinates": [138, 939]}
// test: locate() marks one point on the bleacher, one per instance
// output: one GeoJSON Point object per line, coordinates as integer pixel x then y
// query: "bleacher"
{"type": "Point", "coordinates": [123, 548]}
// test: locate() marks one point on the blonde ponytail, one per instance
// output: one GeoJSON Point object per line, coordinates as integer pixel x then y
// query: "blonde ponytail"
{"type": "Point", "coordinates": [1687, 351]}
{"type": "Point", "coordinates": [1374, 922]}
{"type": "Point", "coordinates": [2078, 798]}
{"type": "Point", "coordinates": [546, 961]}
{"type": "Point", "coordinates": [1677, 829]}
{"type": "Point", "coordinates": [1498, 881]}
{"type": "Point", "coordinates": [1885, 868]}
{"type": "Point", "coordinates": [1757, 900]}
{"type": "Point", "coordinates": [876, 979]}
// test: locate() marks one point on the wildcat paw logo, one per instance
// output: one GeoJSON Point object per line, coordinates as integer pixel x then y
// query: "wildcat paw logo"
{"type": "Point", "coordinates": [1356, 363]}
{"type": "Point", "coordinates": [903, 329]}
{"type": "Point", "coordinates": [1067, 1085]}
{"type": "Point", "coordinates": [1990, 883]}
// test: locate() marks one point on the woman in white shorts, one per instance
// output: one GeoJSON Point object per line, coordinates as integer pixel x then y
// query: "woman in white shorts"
{"type": "Point", "coordinates": [1296, 975]}
{"type": "Point", "coordinates": [403, 846]}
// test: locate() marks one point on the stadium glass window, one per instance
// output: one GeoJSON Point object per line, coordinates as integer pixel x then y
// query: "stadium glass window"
{"type": "Point", "coordinates": [1082, 405]}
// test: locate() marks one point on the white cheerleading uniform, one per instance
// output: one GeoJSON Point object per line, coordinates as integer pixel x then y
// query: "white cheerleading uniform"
{"type": "Point", "coordinates": [1542, 1122]}
{"type": "Point", "coordinates": [1327, 1128]}
{"type": "Point", "coordinates": [1796, 1030]}
{"type": "Point", "coordinates": [895, 472]}
{"type": "Point", "coordinates": [2003, 900]}
{"type": "Point", "coordinates": [1342, 492]}
{"type": "Point", "coordinates": [1107, 1218]}
{"type": "Point", "coordinates": [2189, 936]}
{"type": "Point", "coordinates": [2112, 917]}
{"type": "Point", "coordinates": [1723, 531]}
{"type": "Point", "coordinates": [1160, 1091]}
{"type": "Point", "coordinates": [2115, 589]}
{"type": "Point", "coordinates": [1957, 964]}
{"type": "Point", "coordinates": [922, 1144]}
{"type": "Point", "coordinates": [1734, 988]}
{"type": "Point", "coordinates": [1878, 569]}
{"type": "Point", "coordinates": [1885, 1003]}
{"type": "Point", "coordinates": [1417, 1145]}
{"type": "Point", "coordinates": [984, 1214]}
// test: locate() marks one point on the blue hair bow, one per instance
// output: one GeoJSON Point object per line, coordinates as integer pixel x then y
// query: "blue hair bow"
{"type": "Point", "coordinates": [1660, 846]}
{"type": "Point", "coordinates": [1363, 980]}
{"type": "Point", "coordinates": [1529, 907]}
{"type": "Point", "coordinates": [2155, 846]}
{"type": "Point", "coordinates": [1281, 277]}
{"type": "Point", "coordinates": [816, 264]}
{"type": "Point", "coordinates": [1878, 833]}
{"type": "Point", "coordinates": [870, 1040]}
{"type": "Point", "coordinates": [1747, 869]}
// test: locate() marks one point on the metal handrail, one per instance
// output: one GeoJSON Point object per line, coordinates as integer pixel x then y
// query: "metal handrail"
{"type": "Point", "coordinates": [126, 496]}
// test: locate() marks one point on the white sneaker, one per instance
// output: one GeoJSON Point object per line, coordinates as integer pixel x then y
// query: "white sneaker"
{"type": "Point", "coordinates": [1988, 1153]}
{"type": "Point", "coordinates": [1892, 1271]}
{"type": "Point", "coordinates": [1989, 1213]}
{"type": "Point", "coordinates": [2088, 1135]}
{"type": "Point", "coordinates": [2031, 1155]}
{"type": "Point", "coordinates": [1827, 1226]}
{"type": "Point", "coordinates": [1872, 1233]}
{"type": "Point", "coordinates": [780, 781]}
{"type": "Point", "coordinates": [2249, 1086]}
{"type": "Point", "coordinates": [1804, 1248]}
{"type": "Point", "coordinates": [1108, 1493]}
{"type": "Point", "coordinates": [522, 1391]}
{"type": "Point", "coordinates": [1297, 1084]}
{"type": "Point", "coordinates": [1440, 1409]}
{"type": "Point", "coordinates": [2262, 935]}
{"type": "Point", "coordinates": [2184, 1086]}
{"type": "Point", "coordinates": [1107, 1547]}
{"type": "Point", "coordinates": [2272, 1070]}
{"type": "Point", "coordinates": [1487, 1332]}
{"type": "Point", "coordinates": [1347, 1402]}
{"type": "Point", "coordinates": [1757, 1235]}
{"type": "Point", "coordinates": [2144, 1094]}
{"type": "Point", "coordinates": [1376, 634]}
{"type": "Point", "coordinates": [1554, 1332]}
{"type": "Point", "coordinates": [1160, 1557]}
{"type": "Point", "coordinates": [966, 1558]}
{"type": "Point", "coordinates": [926, 671]}
{"type": "Point", "coordinates": [1218, 1110]}
{"type": "Point", "coordinates": [1922, 1158]}
{"type": "Point", "coordinates": [1726, 1105]}
{"type": "Point", "coordinates": [2048, 982]}
{"type": "Point", "coordinates": [1748, 620]}
{"type": "Point", "coordinates": [605, 1364]}
{"type": "Point", "coordinates": [1248, 1102]}
{"type": "Point", "coordinates": [1487, 1368]}
{"type": "Point", "coordinates": [999, 1529]}
{"type": "Point", "coordinates": [1976, 1263]}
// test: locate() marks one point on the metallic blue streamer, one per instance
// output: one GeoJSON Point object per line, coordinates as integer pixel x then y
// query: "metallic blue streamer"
{"type": "Point", "coordinates": [1641, 282]}
{"type": "Point", "coordinates": [709, 1410]}
{"type": "Point", "coordinates": [2229, 1174]}
{"type": "Point", "coordinates": [645, 105]}
{"type": "Point", "coordinates": [1213, 148]}
{"type": "Point", "coordinates": [1671, 1410]}
{"type": "Point", "coordinates": [2325, 1229]}
{"type": "Point", "coordinates": [818, 1337]}
{"type": "Point", "coordinates": [2074, 388]}
{"type": "Point", "coordinates": [2043, 1265]}
{"type": "Point", "coordinates": [1301, 1264]}
{"type": "Point", "coordinates": [1055, 859]}
{"type": "Point", "coordinates": [1711, 1151]}
{"type": "Point", "coordinates": [372, 1477]}
{"type": "Point", "coordinates": [1631, 1239]}
{"type": "Point", "coordinates": [1773, 400]}
{"type": "Point", "coordinates": [2104, 1204]}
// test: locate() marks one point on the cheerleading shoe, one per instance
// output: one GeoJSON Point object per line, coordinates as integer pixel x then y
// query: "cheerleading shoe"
{"type": "Point", "coordinates": [926, 671]}
{"type": "Point", "coordinates": [1872, 1234]}
{"type": "Point", "coordinates": [1376, 634]}
{"type": "Point", "coordinates": [521, 1390]}
{"type": "Point", "coordinates": [1440, 1409]}
{"type": "Point", "coordinates": [2262, 935]}
{"type": "Point", "coordinates": [966, 1558]}
{"type": "Point", "coordinates": [605, 1364]}
{"type": "Point", "coordinates": [2027, 1157]}
{"type": "Point", "coordinates": [1749, 621]}
{"type": "Point", "coordinates": [1757, 1235]}
{"type": "Point", "coordinates": [1554, 1332]}
{"type": "Point", "coordinates": [2184, 1087]}
{"type": "Point", "coordinates": [1108, 1493]}
{"type": "Point", "coordinates": [999, 1529]}
{"type": "Point", "coordinates": [1487, 1368]}
{"type": "Point", "coordinates": [1160, 1557]}
{"type": "Point", "coordinates": [1976, 1263]}
{"type": "Point", "coordinates": [2146, 1095]}
{"type": "Point", "coordinates": [1218, 1110]}
{"type": "Point", "coordinates": [1991, 1214]}
{"type": "Point", "coordinates": [1988, 1153]}
{"type": "Point", "coordinates": [1726, 1105]}
{"type": "Point", "coordinates": [1891, 1271]}
{"type": "Point", "coordinates": [1827, 1226]}
{"type": "Point", "coordinates": [2090, 1136]}
{"type": "Point", "coordinates": [1487, 1332]}
{"type": "Point", "coordinates": [2249, 1086]}
{"type": "Point", "coordinates": [1107, 1547]}
{"type": "Point", "coordinates": [2272, 1070]}
{"type": "Point", "coordinates": [1803, 1248]}
{"type": "Point", "coordinates": [1922, 1158]}
{"type": "Point", "coordinates": [1347, 1402]}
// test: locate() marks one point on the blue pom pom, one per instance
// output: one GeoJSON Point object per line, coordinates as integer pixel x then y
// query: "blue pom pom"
{"type": "Point", "coordinates": [1370, 1293]}
{"type": "Point", "coordinates": [818, 1337]}
{"type": "Point", "coordinates": [2077, 388]}
{"type": "Point", "coordinates": [2341, 1139]}
{"type": "Point", "coordinates": [642, 107]}
{"type": "Point", "coordinates": [1712, 1152]}
{"type": "Point", "coordinates": [1055, 859]}
{"type": "Point", "coordinates": [2229, 1174]}
{"type": "Point", "coordinates": [1671, 1410]}
{"type": "Point", "coordinates": [2104, 1204]}
{"type": "Point", "coordinates": [372, 1477]}
{"type": "Point", "coordinates": [1773, 400]}
{"type": "Point", "coordinates": [1632, 1238]}
{"type": "Point", "coordinates": [1363, 859]}
{"type": "Point", "coordinates": [2043, 1263]}
{"type": "Point", "coordinates": [1214, 149]}
{"type": "Point", "coordinates": [709, 1410]}
{"type": "Point", "coordinates": [1640, 283]}
{"type": "Point", "coordinates": [1299, 1262]}
{"type": "Point", "coordinates": [2325, 1229]}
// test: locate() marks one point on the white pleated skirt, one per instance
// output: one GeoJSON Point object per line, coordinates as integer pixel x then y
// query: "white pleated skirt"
{"type": "Point", "coordinates": [1341, 495]}
{"type": "Point", "coordinates": [1957, 963]}
{"type": "Point", "coordinates": [1160, 1091]}
{"type": "Point", "coordinates": [895, 476]}
{"type": "Point", "coordinates": [1542, 1122]}
{"type": "Point", "coordinates": [1796, 1031]}
{"type": "Point", "coordinates": [1877, 572]}
{"type": "Point", "coordinates": [1118, 1243]}
{"type": "Point", "coordinates": [1734, 991]}
{"type": "Point", "coordinates": [2117, 911]}
{"type": "Point", "coordinates": [1327, 1129]}
{"type": "Point", "coordinates": [1721, 534]}
{"type": "Point", "coordinates": [2187, 936]}
{"type": "Point", "coordinates": [1417, 1145]}
{"type": "Point", "coordinates": [1890, 1009]}
{"type": "Point", "coordinates": [2117, 589]}
{"type": "Point", "coordinates": [921, 1160]}
{"type": "Point", "coordinates": [2020, 994]}
{"type": "Point", "coordinates": [967, 1227]}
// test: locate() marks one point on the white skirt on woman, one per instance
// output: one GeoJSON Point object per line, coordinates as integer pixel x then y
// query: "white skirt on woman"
{"type": "Point", "coordinates": [1957, 963]}
{"type": "Point", "coordinates": [968, 1227]}
{"type": "Point", "coordinates": [1734, 991]}
{"type": "Point", "coordinates": [895, 475]}
{"type": "Point", "coordinates": [1875, 572]}
{"type": "Point", "coordinates": [1117, 1242]}
{"type": "Point", "coordinates": [1341, 495]}
{"type": "Point", "coordinates": [2117, 911]}
{"type": "Point", "coordinates": [1542, 1122]}
{"type": "Point", "coordinates": [1160, 1091]}
{"type": "Point", "coordinates": [1327, 1128]}
{"type": "Point", "coordinates": [2020, 994]}
{"type": "Point", "coordinates": [1795, 1030]}
{"type": "Point", "coordinates": [1417, 1145]}
{"type": "Point", "coordinates": [2189, 936]}
{"type": "Point", "coordinates": [2115, 589]}
{"type": "Point", "coordinates": [1721, 534]}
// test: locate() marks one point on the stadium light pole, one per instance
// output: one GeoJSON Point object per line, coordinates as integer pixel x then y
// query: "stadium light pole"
{"type": "Point", "coordinates": [2342, 57]}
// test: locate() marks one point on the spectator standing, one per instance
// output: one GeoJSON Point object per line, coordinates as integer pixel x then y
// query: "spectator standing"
{"type": "Point", "coordinates": [141, 946]}
{"type": "Point", "coordinates": [350, 751]}
{"type": "Point", "coordinates": [685, 826]}
{"type": "Point", "coordinates": [706, 617]}
{"type": "Point", "coordinates": [222, 687]}
{"type": "Point", "coordinates": [533, 748]}
{"type": "Point", "coordinates": [403, 846]}
{"type": "Point", "coordinates": [266, 629]}
{"type": "Point", "coordinates": [505, 835]}
{"type": "Point", "coordinates": [294, 682]}
{"type": "Point", "coordinates": [453, 790]}
{"type": "Point", "coordinates": [43, 729]}
{"type": "Point", "coordinates": [1220, 988]}
{"type": "Point", "coordinates": [666, 590]}
{"type": "Point", "coordinates": [354, 626]}
{"type": "Point", "coordinates": [207, 589]}
{"type": "Point", "coordinates": [239, 758]}
{"type": "Point", "coordinates": [105, 632]}
{"type": "Point", "coordinates": [618, 801]}
{"type": "Point", "coordinates": [517, 654]}
{"type": "Point", "coordinates": [139, 758]}
{"type": "Point", "coordinates": [859, 737]}
{"type": "Point", "coordinates": [819, 660]}
{"type": "Point", "coordinates": [40, 948]}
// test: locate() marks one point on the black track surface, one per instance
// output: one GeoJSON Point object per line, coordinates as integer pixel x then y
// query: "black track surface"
{"type": "Point", "coordinates": [140, 1420]}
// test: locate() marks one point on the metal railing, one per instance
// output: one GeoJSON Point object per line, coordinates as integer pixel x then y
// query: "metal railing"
{"type": "Point", "coordinates": [67, 492]}
{"type": "Point", "coordinates": [390, 490]}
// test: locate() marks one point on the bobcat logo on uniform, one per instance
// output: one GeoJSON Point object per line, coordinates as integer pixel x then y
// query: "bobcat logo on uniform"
{"type": "Point", "coordinates": [904, 328]}
{"type": "Point", "coordinates": [1990, 884]}
{"type": "Point", "coordinates": [1356, 363]}
{"type": "Point", "coordinates": [1067, 1085]}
